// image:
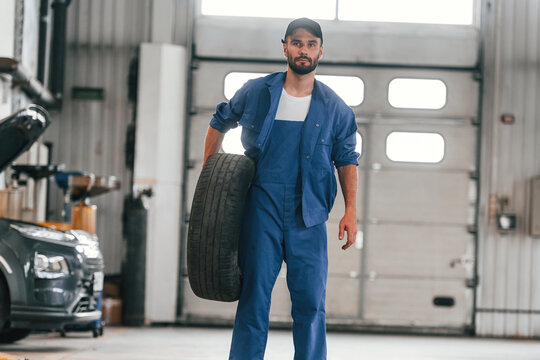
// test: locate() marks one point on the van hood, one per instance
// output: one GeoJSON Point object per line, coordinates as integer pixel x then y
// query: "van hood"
{"type": "Point", "coordinates": [19, 131]}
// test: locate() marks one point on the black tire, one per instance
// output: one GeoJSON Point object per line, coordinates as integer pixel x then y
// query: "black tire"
{"type": "Point", "coordinates": [214, 227]}
{"type": "Point", "coordinates": [4, 302]}
{"type": "Point", "coordinates": [11, 335]}
{"type": "Point", "coordinates": [7, 334]}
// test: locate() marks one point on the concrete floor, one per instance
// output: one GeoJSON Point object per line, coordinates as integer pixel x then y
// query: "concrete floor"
{"type": "Point", "coordinates": [185, 343]}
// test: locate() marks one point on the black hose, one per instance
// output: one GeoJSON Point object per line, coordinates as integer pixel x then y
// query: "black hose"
{"type": "Point", "coordinates": [42, 46]}
{"type": "Point", "coordinates": [58, 49]}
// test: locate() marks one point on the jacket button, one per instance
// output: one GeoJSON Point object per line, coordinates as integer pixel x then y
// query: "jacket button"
{"type": "Point", "coordinates": [317, 125]}
{"type": "Point", "coordinates": [307, 156]}
{"type": "Point", "coordinates": [322, 140]}
{"type": "Point", "coordinates": [252, 126]}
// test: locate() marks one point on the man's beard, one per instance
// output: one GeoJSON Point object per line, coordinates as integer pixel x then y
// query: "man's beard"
{"type": "Point", "coordinates": [302, 69]}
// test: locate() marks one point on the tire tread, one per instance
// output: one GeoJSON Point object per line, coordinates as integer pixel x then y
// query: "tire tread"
{"type": "Point", "coordinates": [214, 226]}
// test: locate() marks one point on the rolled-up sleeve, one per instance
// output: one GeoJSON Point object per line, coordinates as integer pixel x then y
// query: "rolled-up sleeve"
{"type": "Point", "coordinates": [344, 149]}
{"type": "Point", "coordinates": [227, 114]}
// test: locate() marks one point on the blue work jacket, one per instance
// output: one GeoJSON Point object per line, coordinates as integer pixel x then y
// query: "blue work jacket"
{"type": "Point", "coordinates": [328, 136]}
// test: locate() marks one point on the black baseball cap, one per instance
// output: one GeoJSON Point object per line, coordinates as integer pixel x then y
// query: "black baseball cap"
{"type": "Point", "coordinates": [303, 23]}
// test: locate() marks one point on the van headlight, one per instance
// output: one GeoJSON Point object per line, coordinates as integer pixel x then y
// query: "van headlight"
{"type": "Point", "coordinates": [50, 266]}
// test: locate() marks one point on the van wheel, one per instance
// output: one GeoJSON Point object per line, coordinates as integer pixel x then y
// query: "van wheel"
{"type": "Point", "coordinates": [4, 302]}
{"type": "Point", "coordinates": [11, 335]}
{"type": "Point", "coordinates": [8, 335]}
{"type": "Point", "coordinates": [214, 226]}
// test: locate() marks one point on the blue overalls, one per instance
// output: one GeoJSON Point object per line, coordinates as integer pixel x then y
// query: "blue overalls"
{"type": "Point", "coordinates": [273, 230]}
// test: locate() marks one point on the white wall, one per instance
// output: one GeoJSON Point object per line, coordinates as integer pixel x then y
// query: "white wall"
{"type": "Point", "coordinates": [159, 164]}
{"type": "Point", "coordinates": [509, 266]}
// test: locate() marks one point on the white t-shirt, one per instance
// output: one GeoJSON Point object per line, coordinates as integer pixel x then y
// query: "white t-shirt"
{"type": "Point", "coordinates": [292, 108]}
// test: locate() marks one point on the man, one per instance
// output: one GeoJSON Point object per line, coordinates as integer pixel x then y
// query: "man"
{"type": "Point", "coordinates": [296, 129]}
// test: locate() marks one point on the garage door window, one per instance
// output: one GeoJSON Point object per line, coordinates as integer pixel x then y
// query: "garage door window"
{"type": "Point", "coordinates": [232, 143]}
{"type": "Point", "coordinates": [359, 143]}
{"type": "Point", "coordinates": [349, 88]}
{"type": "Point", "coordinates": [316, 9]}
{"type": "Point", "coordinates": [417, 93]}
{"type": "Point", "coordinates": [457, 12]}
{"type": "Point", "coordinates": [415, 147]}
{"type": "Point", "coordinates": [235, 80]}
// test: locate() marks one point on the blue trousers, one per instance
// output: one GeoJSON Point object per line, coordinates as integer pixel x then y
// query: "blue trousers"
{"type": "Point", "coordinates": [273, 232]}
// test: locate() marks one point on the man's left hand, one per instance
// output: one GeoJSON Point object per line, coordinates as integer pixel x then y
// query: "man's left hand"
{"type": "Point", "coordinates": [348, 223]}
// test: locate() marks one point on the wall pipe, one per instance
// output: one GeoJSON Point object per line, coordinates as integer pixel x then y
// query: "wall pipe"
{"type": "Point", "coordinates": [42, 46]}
{"type": "Point", "coordinates": [58, 49]}
{"type": "Point", "coordinates": [29, 84]}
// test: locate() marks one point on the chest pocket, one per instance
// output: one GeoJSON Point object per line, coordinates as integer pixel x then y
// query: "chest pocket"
{"type": "Point", "coordinates": [251, 129]}
{"type": "Point", "coordinates": [323, 152]}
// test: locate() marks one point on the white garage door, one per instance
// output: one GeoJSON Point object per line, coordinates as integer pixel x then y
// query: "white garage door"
{"type": "Point", "coordinates": [416, 199]}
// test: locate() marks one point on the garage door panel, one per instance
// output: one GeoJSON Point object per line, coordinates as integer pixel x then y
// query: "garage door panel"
{"type": "Point", "coordinates": [459, 149]}
{"type": "Point", "coordinates": [380, 43]}
{"type": "Point", "coordinates": [342, 297]}
{"type": "Point", "coordinates": [280, 308]}
{"type": "Point", "coordinates": [338, 210]}
{"type": "Point", "coordinates": [461, 102]}
{"type": "Point", "coordinates": [419, 197]}
{"type": "Point", "coordinates": [420, 251]}
{"type": "Point", "coordinates": [214, 72]}
{"type": "Point", "coordinates": [201, 308]}
{"type": "Point", "coordinates": [461, 89]}
{"type": "Point", "coordinates": [193, 177]}
{"type": "Point", "coordinates": [411, 302]}
{"type": "Point", "coordinates": [342, 262]}
{"type": "Point", "coordinates": [208, 309]}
